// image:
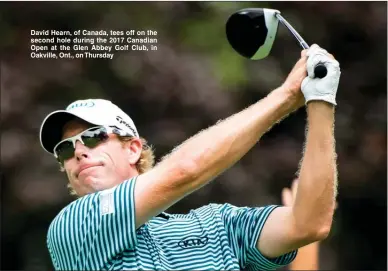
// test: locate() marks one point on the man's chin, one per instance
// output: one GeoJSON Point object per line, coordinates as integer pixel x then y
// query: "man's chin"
{"type": "Point", "coordinates": [92, 182]}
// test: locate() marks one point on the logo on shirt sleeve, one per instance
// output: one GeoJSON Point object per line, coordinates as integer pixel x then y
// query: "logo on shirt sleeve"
{"type": "Point", "coordinates": [107, 205]}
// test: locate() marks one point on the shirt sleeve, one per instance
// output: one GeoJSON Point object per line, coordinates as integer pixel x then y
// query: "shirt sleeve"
{"type": "Point", "coordinates": [91, 231]}
{"type": "Point", "coordinates": [243, 226]}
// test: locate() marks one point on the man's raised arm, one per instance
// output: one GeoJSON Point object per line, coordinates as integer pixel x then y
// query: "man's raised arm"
{"type": "Point", "coordinates": [202, 157]}
{"type": "Point", "coordinates": [310, 217]}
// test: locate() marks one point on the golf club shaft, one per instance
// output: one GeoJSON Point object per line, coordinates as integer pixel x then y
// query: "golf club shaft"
{"type": "Point", "coordinates": [293, 31]}
{"type": "Point", "coordinates": [320, 70]}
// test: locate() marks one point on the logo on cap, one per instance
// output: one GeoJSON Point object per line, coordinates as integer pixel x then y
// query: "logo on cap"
{"type": "Point", "coordinates": [123, 122]}
{"type": "Point", "coordinates": [80, 104]}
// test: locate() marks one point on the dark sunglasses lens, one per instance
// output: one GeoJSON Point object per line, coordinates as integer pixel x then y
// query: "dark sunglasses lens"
{"type": "Point", "coordinates": [65, 151]}
{"type": "Point", "coordinates": [95, 137]}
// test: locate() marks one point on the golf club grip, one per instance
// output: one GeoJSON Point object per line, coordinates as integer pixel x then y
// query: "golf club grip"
{"type": "Point", "coordinates": [320, 71]}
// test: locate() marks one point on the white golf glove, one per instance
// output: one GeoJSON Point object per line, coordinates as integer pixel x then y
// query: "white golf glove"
{"type": "Point", "coordinates": [323, 89]}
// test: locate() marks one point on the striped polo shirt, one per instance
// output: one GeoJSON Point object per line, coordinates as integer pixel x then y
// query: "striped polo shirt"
{"type": "Point", "coordinates": [97, 232]}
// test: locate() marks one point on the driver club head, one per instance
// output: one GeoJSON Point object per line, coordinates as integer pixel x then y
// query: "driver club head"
{"type": "Point", "coordinates": [252, 31]}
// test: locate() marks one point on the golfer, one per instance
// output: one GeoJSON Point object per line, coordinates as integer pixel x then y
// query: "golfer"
{"type": "Point", "coordinates": [118, 221]}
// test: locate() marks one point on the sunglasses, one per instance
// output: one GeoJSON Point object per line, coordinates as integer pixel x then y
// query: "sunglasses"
{"type": "Point", "coordinates": [90, 138]}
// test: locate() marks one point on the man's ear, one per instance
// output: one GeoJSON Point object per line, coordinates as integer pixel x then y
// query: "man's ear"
{"type": "Point", "coordinates": [134, 148]}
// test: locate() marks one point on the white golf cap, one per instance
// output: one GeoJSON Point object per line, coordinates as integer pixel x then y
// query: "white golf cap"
{"type": "Point", "coordinates": [94, 111]}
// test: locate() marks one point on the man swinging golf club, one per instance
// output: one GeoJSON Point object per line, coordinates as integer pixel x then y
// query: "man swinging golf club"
{"type": "Point", "coordinates": [118, 222]}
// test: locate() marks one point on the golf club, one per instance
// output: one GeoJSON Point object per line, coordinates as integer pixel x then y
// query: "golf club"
{"type": "Point", "coordinates": [252, 31]}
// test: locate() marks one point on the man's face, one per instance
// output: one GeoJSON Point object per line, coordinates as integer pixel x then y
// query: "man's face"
{"type": "Point", "coordinates": [101, 167]}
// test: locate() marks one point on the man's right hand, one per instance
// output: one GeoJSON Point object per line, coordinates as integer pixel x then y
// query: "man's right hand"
{"type": "Point", "coordinates": [295, 78]}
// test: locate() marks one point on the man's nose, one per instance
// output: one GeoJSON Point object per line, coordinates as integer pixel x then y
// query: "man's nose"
{"type": "Point", "coordinates": [81, 151]}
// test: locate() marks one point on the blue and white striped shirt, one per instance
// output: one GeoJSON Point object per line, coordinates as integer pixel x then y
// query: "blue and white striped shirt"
{"type": "Point", "coordinates": [97, 232]}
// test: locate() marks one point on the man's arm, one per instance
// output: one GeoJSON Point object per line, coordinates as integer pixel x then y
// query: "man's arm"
{"type": "Point", "coordinates": [308, 256]}
{"type": "Point", "coordinates": [201, 158]}
{"type": "Point", "coordinates": [310, 217]}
